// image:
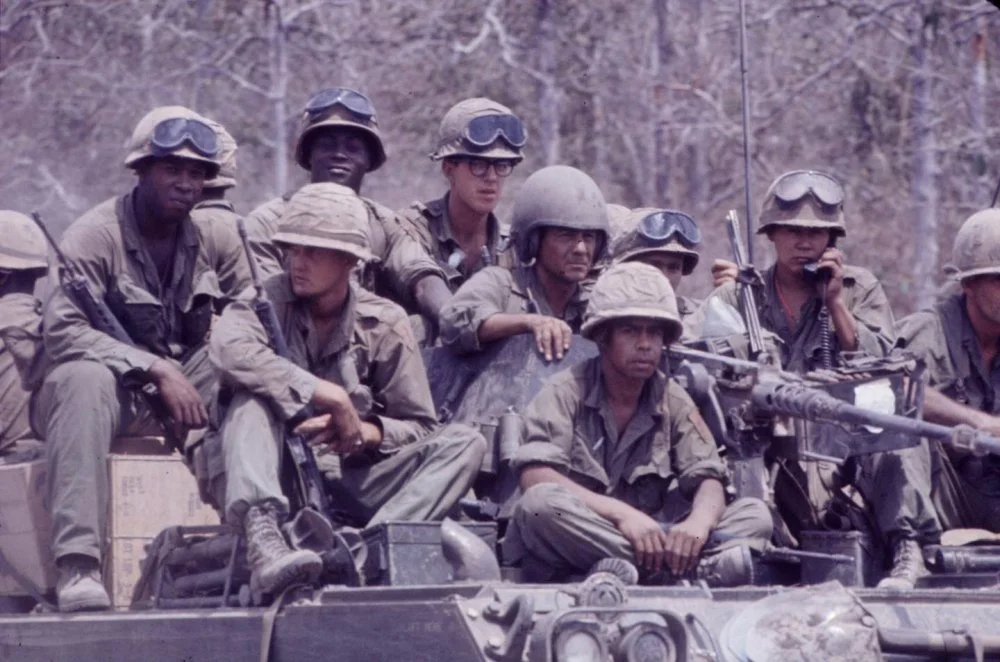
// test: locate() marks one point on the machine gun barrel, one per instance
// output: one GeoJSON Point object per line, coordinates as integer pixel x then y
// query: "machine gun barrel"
{"type": "Point", "coordinates": [748, 300]}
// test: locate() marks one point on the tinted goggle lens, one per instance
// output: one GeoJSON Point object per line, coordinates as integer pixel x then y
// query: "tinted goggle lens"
{"type": "Point", "coordinates": [352, 100]}
{"type": "Point", "coordinates": [170, 134]}
{"type": "Point", "coordinates": [484, 131]}
{"type": "Point", "coordinates": [663, 225]}
{"type": "Point", "coordinates": [796, 185]}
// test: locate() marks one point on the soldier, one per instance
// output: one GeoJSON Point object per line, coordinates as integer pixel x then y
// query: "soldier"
{"type": "Point", "coordinates": [339, 142]}
{"type": "Point", "coordinates": [618, 218]}
{"type": "Point", "coordinates": [23, 260]}
{"type": "Point", "coordinates": [958, 339]}
{"type": "Point", "coordinates": [560, 228]}
{"type": "Point", "coordinates": [618, 462]}
{"type": "Point", "coordinates": [665, 239]}
{"type": "Point", "coordinates": [355, 360]}
{"type": "Point", "coordinates": [213, 194]}
{"type": "Point", "coordinates": [479, 143]}
{"type": "Point", "coordinates": [803, 215]}
{"type": "Point", "coordinates": [162, 274]}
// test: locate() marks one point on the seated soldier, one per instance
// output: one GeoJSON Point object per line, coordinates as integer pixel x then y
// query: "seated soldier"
{"type": "Point", "coordinates": [162, 274]}
{"type": "Point", "coordinates": [339, 142]}
{"type": "Point", "coordinates": [559, 229]}
{"type": "Point", "coordinates": [355, 360]}
{"type": "Point", "coordinates": [959, 339]}
{"type": "Point", "coordinates": [479, 144]}
{"type": "Point", "coordinates": [665, 239]}
{"type": "Point", "coordinates": [616, 460]}
{"type": "Point", "coordinates": [803, 216]}
{"type": "Point", "coordinates": [23, 260]}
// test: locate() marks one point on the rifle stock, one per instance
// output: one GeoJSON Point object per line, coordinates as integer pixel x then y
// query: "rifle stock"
{"type": "Point", "coordinates": [748, 299]}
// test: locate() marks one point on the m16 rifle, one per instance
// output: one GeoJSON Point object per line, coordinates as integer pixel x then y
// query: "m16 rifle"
{"type": "Point", "coordinates": [103, 320]}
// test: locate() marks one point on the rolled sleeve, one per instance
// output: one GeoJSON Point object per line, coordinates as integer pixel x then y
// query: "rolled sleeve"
{"type": "Point", "coordinates": [548, 428]}
{"type": "Point", "coordinates": [873, 315]}
{"type": "Point", "coordinates": [486, 294]}
{"type": "Point", "coordinates": [407, 262]}
{"type": "Point", "coordinates": [921, 335]}
{"type": "Point", "coordinates": [695, 453]}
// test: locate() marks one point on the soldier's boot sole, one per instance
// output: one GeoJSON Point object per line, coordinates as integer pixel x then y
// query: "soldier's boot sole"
{"type": "Point", "coordinates": [86, 597]}
{"type": "Point", "coordinates": [296, 567]}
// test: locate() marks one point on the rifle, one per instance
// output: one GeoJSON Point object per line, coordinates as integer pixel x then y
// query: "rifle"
{"type": "Point", "coordinates": [747, 279]}
{"type": "Point", "coordinates": [312, 526]}
{"type": "Point", "coordinates": [103, 320]}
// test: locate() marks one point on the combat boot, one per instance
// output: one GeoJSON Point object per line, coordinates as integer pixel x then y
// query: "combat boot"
{"type": "Point", "coordinates": [273, 564]}
{"type": "Point", "coordinates": [907, 566]}
{"type": "Point", "coordinates": [79, 587]}
{"type": "Point", "coordinates": [730, 567]}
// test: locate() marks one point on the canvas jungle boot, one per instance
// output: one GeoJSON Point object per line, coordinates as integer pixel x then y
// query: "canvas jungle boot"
{"type": "Point", "coordinates": [79, 587]}
{"type": "Point", "coordinates": [273, 564]}
{"type": "Point", "coordinates": [907, 566]}
{"type": "Point", "coordinates": [730, 567]}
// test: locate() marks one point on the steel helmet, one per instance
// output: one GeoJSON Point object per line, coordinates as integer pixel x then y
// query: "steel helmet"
{"type": "Point", "coordinates": [340, 107]}
{"type": "Point", "coordinates": [482, 128]}
{"type": "Point", "coordinates": [173, 131]}
{"type": "Point", "coordinates": [23, 247]}
{"type": "Point", "coordinates": [632, 289]}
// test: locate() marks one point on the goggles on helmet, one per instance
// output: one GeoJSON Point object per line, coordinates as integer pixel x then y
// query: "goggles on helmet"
{"type": "Point", "coordinates": [659, 227]}
{"type": "Point", "coordinates": [795, 185]}
{"type": "Point", "coordinates": [350, 99]}
{"type": "Point", "coordinates": [483, 131]}
{"type": "Point", "coordinates": [170, 134]}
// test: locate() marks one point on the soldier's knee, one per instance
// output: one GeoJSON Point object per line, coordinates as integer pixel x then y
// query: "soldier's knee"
{"type": "Point", "coordinates": [75, 382]}
{"type": "Point", "coordinates": [754, 517]}
{"type": "Point", "coordinates": [540, 503]}
{"type": "Point", "coordinates": [464, 441]}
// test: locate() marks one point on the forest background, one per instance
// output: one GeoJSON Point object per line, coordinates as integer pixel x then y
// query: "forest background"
{"type": "Point", "coordinates": [898, 98]}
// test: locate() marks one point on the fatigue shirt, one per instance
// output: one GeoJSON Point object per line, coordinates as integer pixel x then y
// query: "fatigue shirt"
{"type": "Point", "coordinates": [220, 211]}
{"type": "Point", "coordinates": [372, 355]}
{"type": "Point", "coordinates": [20, 314]}
{"type": "Point", "coordinates": [801, 347]}
{"type": "Point", "coordinates": [163, 319]}
{"type": "Point", "coordinates": [430, 225]}
{"type": "Point", "coordinates": [400, 260]}
{"type": "Point", "coordinates": [665, 449]}
{"type": "Point", "coordinates": [498, 290]}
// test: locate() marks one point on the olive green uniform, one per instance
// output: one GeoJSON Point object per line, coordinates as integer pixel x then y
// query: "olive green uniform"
{"type": "Point", "coordinates": [498, 290]}
{"type": "Point", "coordinates": [417, 473]}
{"type": "Point", "coordinates": [430, 225]}
{"type": "Point", "coordinates": [400, 261]}
{"type": "Point", "coordinates": [83, 403]}
{"type": "Point", "coordinates": [221, 211]}
{"type": "Point", "coordinates": [656, 466]}
{"type": "Point", "coordinates": [21, 314]}
{"type": "Point", "coordinates": [966, 488]}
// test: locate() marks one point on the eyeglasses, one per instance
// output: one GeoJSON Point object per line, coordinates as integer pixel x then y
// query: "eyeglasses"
{"type": "Point", "coordinates": [661, 226]}
{"type": "Point", "coordinates": [485, 130]}
{"type": "Point", "coordinates": [170, 134]}
{"type": "Point", "coordinates": [350, 99]}
{"type": "Point", "coordinates": [479, 167]}
{"type": "Point", "coordinates": [793, 186]}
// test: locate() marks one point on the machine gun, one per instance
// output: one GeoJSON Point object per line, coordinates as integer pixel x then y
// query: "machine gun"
{"type": "Point", "coordinates": [748, 277]}
{"type": "Point", "coordinates": [102, 319]}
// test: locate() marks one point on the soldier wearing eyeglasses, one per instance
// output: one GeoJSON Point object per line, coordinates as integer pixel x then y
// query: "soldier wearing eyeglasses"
{"type": "Point", "coordinates": [479, 143]}
{"type": "Point", "coordinates": [162, 274]}
{"type": "Point", "coordinates": [803, 216]}
{"type": "Point", "coordinates": [339, 141]}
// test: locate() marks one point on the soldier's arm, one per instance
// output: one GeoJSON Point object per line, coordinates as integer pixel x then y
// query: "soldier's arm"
{"type": "Point", "coordinates": [261, 225]}
{"type": "Point", "coordinates": [412, 272]}
{"type": "Point", "coordinates": [873, 323]}
{"type": "Point", "coordinates": [239, 349]}
{"type": "Point", "coordinates": [694, 453]}
{"type": "Point", "coordinates": [230, 260]}
{"type": "Point", "coordinates": [483, 296]}
{"type": "Point", "coordinates": [67, 333]}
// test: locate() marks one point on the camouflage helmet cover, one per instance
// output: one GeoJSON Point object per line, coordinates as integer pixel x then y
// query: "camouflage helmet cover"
{"type": "Point", "coordinates": [226, 178]}
{"type": "Point", "coordinates": [451, 138]}
{"type": "Point", "coordinates": [24, 246]}
{"type": "Point", "coordinates": [140, 145]}
{"type": "Point", "coordinates": [618, 217]}
{"type": "Point", "coordinates": [558, 196]}
{"type": "Point", "coordinates": [632, 289]}
{"type": "Point", "coordinates": [326, 215]}
{"type": "Point", "coordinates": [334, 117]}
{"type": "Point", "coordinates": [631, 245]}
{"type": "Point", "coordinates": [807, 212]}
{"type": "Point", "coordinates": [977, 245]}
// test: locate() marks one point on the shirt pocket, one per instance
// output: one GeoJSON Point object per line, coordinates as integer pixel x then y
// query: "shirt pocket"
{"type": "Point", "coordinates": [140, 313]}
{"type": "Point", "coordinates": [583, 462]}
{"type": "Point", "coordinates": [651, 482]}
{"type": "Point", "coordinates": [196, 317]}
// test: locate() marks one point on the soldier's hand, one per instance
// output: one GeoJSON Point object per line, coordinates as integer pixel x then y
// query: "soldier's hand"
{"type": "Point", "coordinates": [344, 423]}
{"type": "Point", "coordinates": [179, 395]}
{"type": "Point", "coordinates": [833, 261]}
{"type": "Point", "coordinates": [552, 336]}
{"type": "Point", "coordinates": [685, 541]}
{"type": "Point", "coordinates": [647, 538]}
{"type": "Point", "coordinates": [724, 271]}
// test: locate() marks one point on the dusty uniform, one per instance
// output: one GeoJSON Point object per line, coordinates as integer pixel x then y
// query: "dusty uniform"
{"type": "Point", "coordinates": [21, 314]}
{"type": "Point", "coordinates": [656, 466]}
{"type": "Point", "coordinates": [216, 210]}
{"type": "Point", "coordinates": [966, 488]}
{"type": "Point", "coordinates": [894, 483]}
{"type": "Point", "coordinates": [417, 473]}
{"type": "Point", "coordinates": [401, 262]}
{"type": "Point", "coordinates": [801, 348]}
{"type": "Point", "coordinates": [430, 225]}
{"type": "Point", "coordinates": [498, 290]}
{"type": "Point", "coordinates": [83, 405]}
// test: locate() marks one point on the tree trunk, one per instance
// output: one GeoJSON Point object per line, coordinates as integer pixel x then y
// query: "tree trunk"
{"type": "Point", "coordinates": [660, 154]}
{"type": "Point", "coordinates": [279, 89]}
{"type": "Point", "coordinates": [549, 98]}
{"type": "Point", "coordinates": [924, 187]}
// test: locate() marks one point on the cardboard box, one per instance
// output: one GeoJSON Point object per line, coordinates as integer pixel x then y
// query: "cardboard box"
{"type": "Point", "coordinates": [148, 494]}
{"type": "Point", "coordinates": [25, 526]}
